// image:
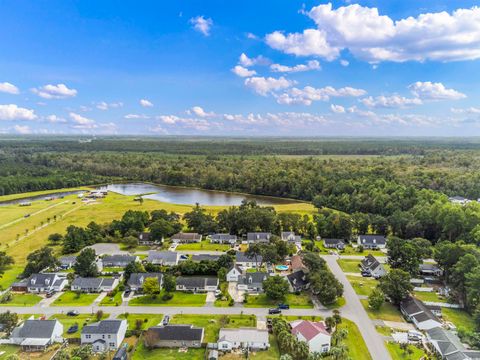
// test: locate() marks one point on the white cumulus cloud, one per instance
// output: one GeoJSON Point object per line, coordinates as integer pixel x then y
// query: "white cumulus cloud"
{"type": "Point", "coordinates": [22, 129]}
{"type": "Point", "coordinates": [136, 116]}
{"type": "Point", "coordinates": [9, 88]}
{"type": "Point", "coordinates": [337, 109]}
{"type": "Point", "coordinates": [11, 112]}
{"type": "Point", "coordinates": [55, 119]}
{"type": "Point", "coordinates": [202, 24]}
{"type": "Point", "coordinates": [470, 110]}
{"type": "Point", "coordinates": [246, 61]}
{"type": "Point", "coordinates": [59, 91]}
{"type": "Point", "coordinates": [393, 101]}
{"type": "Point", "coordinates": [146, 103]}
{"type": "Point", "coordinates": [102, 105]}
{"type": "Point", "coordinates": [309, 94]}
{"type": "Point", "coordinates": [310, 65]}
{"type": "Point", "coordinates": [243, 72]}
{"type": "Point", "coordinates": [434, 91]}
{"type": "Point", "coordinates": [82, 122]}
{"type": "Point", "coordinates": [264, 86]}
{"type": "Point", "coordinates": [198, 111]}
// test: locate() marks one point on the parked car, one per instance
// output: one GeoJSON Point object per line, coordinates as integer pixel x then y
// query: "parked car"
{"type": "Point", "coordinates": [26, 215]}
{"type": "Point", "coordinates": [366, 274]}
{"type": "Point", "coordinates": [414, 335]}
{"type": "Point", "coordinates": [73, 313]}
{"type": "Point", "coordinates": [50, 293]}
{"type": "Point", "coordinates": [72, 329]}
{"type": "Point", "coordinates": [127, 293]}
{"type": "Point", "coordinates": [274, 311]}
{"type": "Point", "coordinates": [283, 306]}
{"type": "Point", "coordinates": [166, 320]}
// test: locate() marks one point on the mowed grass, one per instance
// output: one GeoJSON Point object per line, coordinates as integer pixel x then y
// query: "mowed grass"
{"type": "Point", "coordinates": [357, 349]}
{"type": "Point", "coordinates": [142, 353]}
{"type": "Point", "coordinates": [20, 299]}
{"type": "Point", "coordinates": [70, 298]}
{"type": "Point", "coordinates": [301, 301]}
{"type": "Point", "coordinates": [459, 318]}
{"type": "Point", "coordinates": [148, 320]}
{"type": "Point", "coordinates": [179, 299]}
{"type": "Point", "coordinates": [38, 193]}
{"type": "Point", "coordinates": [112, 300]}
{"type": "Point", "coordinates": [349, 266]}
{"type": "Point", "coordinates": [8, 350]}
{"type": "Point", "coordinates": [204, 245]}
{"type": "Point", "coordinates": [213, 323]}
{"type": "Point", "coordinates": [398, 354]}
{"type": "Point", "coordinates": [429, 296]}
{"type": "Point", "coordinates": [81, 320]}
{"type": "Point", "coordinates": [386, 312]}
{"type": "Point", "coordinates": [361, 285]}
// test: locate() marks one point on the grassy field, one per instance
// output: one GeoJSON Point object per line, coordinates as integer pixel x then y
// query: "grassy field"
{"type": "Point", "coordinates": [79, 214]}
{"type": "Point", "coordinates": [148, 320]}
{"type": "Point", "coordinates": [112, 301]}
{"type": "Point", "coordinates": [429, 296]}
{"type": "Point", "coordinates": [459, 318]}
{"type": "Point", "coordinates": [349, 266]}
{"type": "Point", "coordinates": [179, 299]}
{"type": "Point", "coordinates": [70, 298]}
{"type": "Point", "coordinates": [23, 300]}
{"type": "Point", "coordinates": [204, 245]}
{"type": "Point", "coordinates": [301, 301]}
{"type": "Point", "coordinates": [213, 323]}
{"type": "Point", "coordinates": [142, 353]}
{"type": "Point", "coordinates": [8, 350]}
{"type": "Point", "coordinates": [398, 354]}
{"type": "Point", "coordinates": [387, 312]}
{"type": "Point", "coordinates": [357, 348]}
{"type": "Point", "coordinates": [81, 320]}
{"type": "Point", "coordinates": [361, 285]}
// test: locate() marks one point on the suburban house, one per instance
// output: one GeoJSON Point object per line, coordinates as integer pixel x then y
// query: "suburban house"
{"type": "Point", "coordinates": [43, 283]}
{"type": "Point", "coordinates": [258, 237]}
{"type": "Point", "coordinates": [314, 333]}
{"type": "Point", "coordinates": [93, 285]}
{"type": "Point", "coordinates": [298, 281]}
{"type": "Point", "coordinates": [165, 258]}
{"type": "Point", "coordinates": [372, 241]}
{"type": "Point", "coordinates": [416, 312]}
{"type": "Point", "coordinates": [296, 263]}
{"type": "Point", "coordinates": [197, 283]}
{"type": "Point", "coordinates": [144, 239]}
{"type": "Point", "coordinates": [186, 238]}
{"type": "Point", "coordinates": [136, 280]}
{"type": "Point", "coordinates": [338, 244]}
{"type": "Point", "coordinates": [234, 273]}
{"type": "Point", "coordinates": [67, 262]}
{"type": "Point", "coordinates": [290, 237]}
{"type": "Point", "coordinates": [243, 338]}
{"type": "Point", "coordinates": [204, 257]}
{"type": "Point", "coordinates": [372, 266]}
{"type": "Point", "coordinates": [37, 335]}
{"type": "Point", "coordinates": [448, 346]}
{"type": "Point", "coordinates": [105, 335]}
{"type": "Point", "coordinates": [430, 270]}
{"type": "Point", "coordinates": [252, 282]}
{"type": "Point", "coordinates": [118, 260]}
{"type": "Point", "coordinates": [460, 200]}
{"type": "Point", "coordinates": [241, 259]}
{"type": "Point", "coordinates": [178, 335]}
{"type": "Point", "coordinates": [222, 239]}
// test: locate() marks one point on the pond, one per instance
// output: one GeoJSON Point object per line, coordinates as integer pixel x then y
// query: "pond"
{"type": "Point", "coordinates": [40, 197]}
{"type": "Point", "coordinates": [191, 196]}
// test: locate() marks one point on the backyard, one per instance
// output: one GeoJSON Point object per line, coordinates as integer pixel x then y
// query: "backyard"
{"type": "Point", "coordinates": [81, 320]}
{"type": "Point", "coordinates": [20, 299]}
{"type": "Point", "coordinates": [148, 320]}
{"type": "Point", "coordinates": [142, 353]}
{"type": "Point", "coordinates": [397, 353]}
{"type": "Point", "coordinates": [179, 299]}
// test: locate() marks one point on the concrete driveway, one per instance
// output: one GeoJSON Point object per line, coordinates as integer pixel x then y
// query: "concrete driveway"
{"type": "Point", "coordinates": [237, 295]}
{"type": "Point", "coordinates": [210, 297]}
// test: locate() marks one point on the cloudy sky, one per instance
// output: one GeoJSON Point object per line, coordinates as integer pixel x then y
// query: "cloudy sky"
{"type": "Point", "coordinates": [216, 67]}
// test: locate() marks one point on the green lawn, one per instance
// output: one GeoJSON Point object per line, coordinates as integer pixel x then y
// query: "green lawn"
{"type": "Point", "coordinates": [224, 289]}
{"type": "Point", "coordinates": [387, 312]}
{"type": "Point", "coordinates": [151, 320]}
{"type": "Point", "coordinates": [204, 245]}
{"type": "Point", "coordinates": [398, 354]}
{"type": "Point", "coordinates": [70, 298]}
{"type": "Point", "coordinates": [213, 323]}
{"type": "Point", "coordinates": [357, 348]}
{"type": "Point", "coordinates": [19, 299]}
{"type": "Point", "coordinates": [383, 330]}
{"type": "Point", "coordinates": [8, 350]}
{"type": "Point", "coordinates": [361, 285]}
{"type": "Point", "coordinates": [429, 296]}
{"type": "Point", "coordinates": [179, 299]}
{"type": "Point", "coordinates": [142, 353]}
{"type": "Point", "coordinates": [112, 301]}
{"type": "Point", "coordinates": [459, 318]}
{"type": "Point", "coordinates": [81, 320]}
{"type": "Point", "coordinates": [301, 301]}
{"type": "Point", "coordinates": [113, 269]}
{"type": "Point", "coordinates": [349, 266]}
{"type": "Point", "coordinates": [337, 304]}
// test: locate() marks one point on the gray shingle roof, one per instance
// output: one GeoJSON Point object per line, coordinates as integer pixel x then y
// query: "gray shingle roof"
{"type": "Point", "coordinates": [92, 283]}
{"type": "Point", "coordinates": [103, 327]}
{"type": "Point", "coordinates": [334, 241]}
{"type": "Point", "coordinates": [162, 256]}
{"type": "Point", "coordinates": [297, 279]}
{"type": "Point", "coordinates": [417, 309]}
{"type": "Point", "coordinates": [118, 259]}
{"type": "Point", "coordinates": [372, 239]}
{"type": "Point", "coordinates": [369, 262]}
{"type": "Point", "coordinates": [137, 279]}
{"type": "Point", "coordinates": [41, 329]}
{"type": "Point", "coordinates": [178, 332]}
{"type": "Point", "coordinates": [241, 257]}
{"type": "Point", "coordinates": [223, 237]}
{"type": "Point", "coordinates": [187, 236]}
{"type": "Point", "coordinates": [258, 236]}
{"type": "Point", "coordinates": [208, 257]}
{"type": "Point", "coordinates": [254, 278]}
{"type": "Point", "coordinates": [197, 281]}
{"type": "Point", "coordinates": [41, 280]}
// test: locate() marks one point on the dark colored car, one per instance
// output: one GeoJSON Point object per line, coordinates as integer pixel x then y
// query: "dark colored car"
{"type": "Point", "coordinates": [127, 293]}
{"type": "Point", "coordinates": [26, 215]}
{"type": "Point", "coordinates": [366, 274]}
{"type": "Point", "coordinates": [283, 306]}
{"type": "Point", "coordinates": [50, 293]}
{"type": "Point", "coordinates": [166, 320]}
{"type": "Point", "coordinates": [274, 311]}
{"type": "Point", "coordinates": [72, 329]}
{"type": "Point", "coordinates": [73, 313]}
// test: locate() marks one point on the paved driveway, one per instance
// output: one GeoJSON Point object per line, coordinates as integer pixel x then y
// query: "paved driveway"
{"type": "Point", "coordinates": [210, 297]}
{"type": "Point", "coordinates": [236, 295]}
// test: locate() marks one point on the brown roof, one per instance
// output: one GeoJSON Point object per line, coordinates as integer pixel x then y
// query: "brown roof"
{"type": "Point", "coordinates": [296, 262]}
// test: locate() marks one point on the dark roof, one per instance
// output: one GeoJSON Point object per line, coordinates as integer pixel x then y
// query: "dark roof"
{"type": "Point", "coordinates": [89, 283]}
{"type": "Point", "coordinates": [450, 346]}
{"type": "Point", "coordinates": [41, 280]}
{"type": "Point", "coordinates": [238, 268]}
{"type": "Point", "coordinates": [67, 259]}
{"type": "Point", "coordinates": [103, 327]}
{"type": "Point", "coordinates": [258, 236]}
{"type": "Point", "coordinates": [334, 241]}
{"type": "Point", "coordinates": [144, 236]}
{"type": "Point", "coordinates": [187, 236]}
{"type": "Point", "coordinates": [178, 332]}
{"type": "Point", "coordinates": [241, 257]}
{"type": "Point", "coordinates": [197, 281]}
{"type": "Point", "coordinates": [297, 278]}
{"type": "Point", "coordinates": [417, 309]}
{"type": "Point", "coordinates": [41, 329]}
{"type": "Point", "coordinates": [138, 278]}
{"type": "Point", "coordinates": [373, 239]}
{"type": "Point", "coordinates": [165, 256]}
{"type": "Point", "coordinates": [253, 278]}
{"type": "Point", "coordinates": [208, 257]}
{"type": "Point", "coordinates": [369, 262]}
{"type": "Point", "coordinates": [119, 259]}
{"type": "Point", "coordinates": [223, 237]}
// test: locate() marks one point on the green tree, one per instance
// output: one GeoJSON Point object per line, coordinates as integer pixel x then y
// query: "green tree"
{"type": "Point", "coordinates": [161, 229]}
{"type": "Point", "coordinates": [325, 286]}
{"type": "Point", "coordinates": [376, 299]}
{"type": "Point", "coordinates": [403, 255]}
{"type": "Point", "coordinates": [169, 283]}
{"type": "Point", "coordinates": [9, 320]}
{"type": "Point", "coordinates": [5, 262]}
{"type": "Point", "coordinates": [85, 264]}
{"type": "Point", "coordinates": [200, 221]}
{"type": "Point", "coordinates": [151, 287]}
{"type": "Point", "coordinates": [275, 287]}
{"type": "Point", "coordinates": [40, 260]}
{"type": "Point", "coordinates": [396, 285]}
{"type": "Point", "coordinates": [55, 238]}
{"type": "Point", "coordinates": [133, 267]}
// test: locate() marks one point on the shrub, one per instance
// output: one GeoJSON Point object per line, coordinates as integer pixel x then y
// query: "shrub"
{"type": "Point", "coordinates": [167, 296]}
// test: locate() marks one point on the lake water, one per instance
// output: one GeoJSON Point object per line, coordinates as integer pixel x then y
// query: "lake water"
{"type": "Point", "coordinates": [190, 196]}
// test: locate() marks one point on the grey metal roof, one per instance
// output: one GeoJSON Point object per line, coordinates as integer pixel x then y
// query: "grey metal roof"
{"type": "Point", "coordinates": [223, 237]}
{"type": "Point", "coordinates": [178, 332]}
{"type": "Point", "coordinates": [373, 239]}
{"type": "Point", "coordinates": [164, 256]}
{"type": "Point", "coordinates": [197, 281]}
{"type": "Point", "coordinates": [241, 257]}
{"type": "Point", "coordinates": [103, 327]}
{"type": "Point", "coordinates": [207, 257]}
{"type": "Point", "coordinates": [334, 241]}
{"type": "Point", "coordinates": [40, 329]}
{"type": "Point", "coordinates": [137, 279]}
{"type": "Point", "coordinates": [258, 236]}
{"type": "Point", "coordinates": [118, 259]}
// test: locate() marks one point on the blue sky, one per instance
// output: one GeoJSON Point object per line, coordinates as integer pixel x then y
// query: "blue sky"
{"type": "Point", "coordinates": [381, 68]}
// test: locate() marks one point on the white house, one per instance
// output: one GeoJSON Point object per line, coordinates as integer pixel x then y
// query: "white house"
{"type": "Point", "coordinates": [37, 335]}
{"type": "Point", "coordinates": [93, 285]}
{"type": "Point", "coordinates": [372, 266]}
{"type": "Point", "coordinates": [416, 312]}
{"type": "Point", "coordinates": [105, 335]}
{"type": "Point", "coordinates": [246, 262]}
{"type": "Point", "coordinates": [244, 338]}
{"type": "Point", "coordinates": [42, 283]}
{"type": "Point", "coordinates": [234, 273]}
{"type": "Point", "coordinates": [197, 283]}
{"type": "Point", "coordinates": [314, 333]}
{"type": "Point", "coordinates": [372, 241]}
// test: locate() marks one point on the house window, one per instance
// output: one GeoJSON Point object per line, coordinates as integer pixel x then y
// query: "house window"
{"type": "Point", "coordinates": [109, 336]}
{"type": "Point", "coordinates": [103, 336]}
{"type": "Point", "coordinates": [88, 336]}
{"type": "Point", "coordinates": [112, 344]}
